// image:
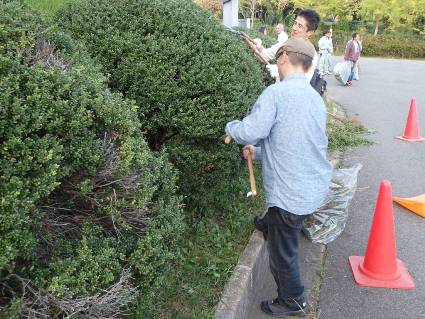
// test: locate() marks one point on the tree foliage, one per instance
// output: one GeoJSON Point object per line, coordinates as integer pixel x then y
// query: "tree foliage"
{"type": "Point", "coordinates": [269, 12]}
{"type": "Point", "coordinates": [214, 6]}
{"type": "Point", "coordinates": [395, 11]}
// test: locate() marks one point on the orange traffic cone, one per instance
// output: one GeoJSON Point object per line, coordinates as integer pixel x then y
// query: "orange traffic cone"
{"type": "Point", "coordinates": [414, 204]}
{"type": "Point", "coordinates": [411, 132]}
{"type": "Point", "coordinates": [380, 266]}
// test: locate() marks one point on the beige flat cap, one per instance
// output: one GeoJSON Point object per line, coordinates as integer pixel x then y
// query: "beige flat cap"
{"type": "Point", "coordinates": [298, 45]}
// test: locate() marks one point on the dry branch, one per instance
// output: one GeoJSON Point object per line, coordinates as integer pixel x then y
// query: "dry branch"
{"type": "Point", "coordinates": [111, 303]}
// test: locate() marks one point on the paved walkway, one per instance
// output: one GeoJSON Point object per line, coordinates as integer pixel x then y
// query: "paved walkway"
{"type": "Point", "coordinates": [381, 101]}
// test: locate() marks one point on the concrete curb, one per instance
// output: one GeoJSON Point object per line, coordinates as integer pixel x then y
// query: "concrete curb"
{"type": "Point", "coordinates": [252, 282]}
{"type": "Point", "coordinates": [237, 296]}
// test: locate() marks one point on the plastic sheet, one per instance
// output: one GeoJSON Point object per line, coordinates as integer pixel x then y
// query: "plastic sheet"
{"type": "Point", "coordinates": [342, 71]}
{"type": "Point", "coordinates": [328, 222]}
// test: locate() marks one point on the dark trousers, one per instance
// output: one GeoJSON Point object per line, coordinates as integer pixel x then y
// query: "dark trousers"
{"type": "Point", "coordinates": [283, 230]}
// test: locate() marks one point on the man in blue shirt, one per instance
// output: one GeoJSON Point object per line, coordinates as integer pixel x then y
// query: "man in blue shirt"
{"type": "Point", "coordinates": [288, 126]}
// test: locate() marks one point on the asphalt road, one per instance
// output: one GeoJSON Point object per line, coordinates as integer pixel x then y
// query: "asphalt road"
{"type": "Point", "coordinates": [380, 100]}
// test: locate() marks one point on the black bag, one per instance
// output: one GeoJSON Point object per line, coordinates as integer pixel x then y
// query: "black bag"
{"type": "Point", "coordinates": [318, 83]}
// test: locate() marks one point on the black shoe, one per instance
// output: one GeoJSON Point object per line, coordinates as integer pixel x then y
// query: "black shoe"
{"type": "Point", "coordinates": [261, 225]}
{"type": "Point", "coordinates": [283, 309]}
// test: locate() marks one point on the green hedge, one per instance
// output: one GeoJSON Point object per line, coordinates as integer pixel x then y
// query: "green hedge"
{"type": "Point", "coordinates": [82, 195]}
{"type": "Point", "coordinates": [383, 45]}
{"type": "Point", "coordinates": [392, 46]}
{"type": "Point", "coordinates": [187, 74]}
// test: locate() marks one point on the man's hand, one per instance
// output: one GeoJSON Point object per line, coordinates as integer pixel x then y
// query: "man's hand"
{"type": "Point", "coordinates": [258, 43]}
{"type": "Point", "coordinates": [274, 73]}
{"type": "Point", "coordinates": [248, 149]}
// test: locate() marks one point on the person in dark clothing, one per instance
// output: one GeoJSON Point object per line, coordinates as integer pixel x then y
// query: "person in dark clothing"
{"type": "Point", "coordinates": [352, 54]}
{"type": "Point", "coordinates": [263, 30]}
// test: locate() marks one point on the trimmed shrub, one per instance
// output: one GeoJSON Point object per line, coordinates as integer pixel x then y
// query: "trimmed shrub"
{"type": "Point", "coordinates": [82, 196]}
{"type": "Point", "coordinates": [187, 74]}
{"type": "Point", "coordinates": [46, 7]}
{"type": "Point", "coordinates": [393, 46]}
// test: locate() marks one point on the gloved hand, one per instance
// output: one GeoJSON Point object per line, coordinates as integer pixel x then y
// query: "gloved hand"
{"type": "Point", "coordinates": [258, 43]}
{"type": "Point", "coordinates": [273, 71]}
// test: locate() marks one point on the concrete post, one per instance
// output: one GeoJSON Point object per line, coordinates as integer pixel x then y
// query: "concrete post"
{"type": "Point", "coordinates": [230, 13]}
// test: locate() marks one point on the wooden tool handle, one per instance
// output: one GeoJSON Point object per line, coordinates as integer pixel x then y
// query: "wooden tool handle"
{"type": "Point", "coordinates": [228, 140]}
{"type": "Point", "coordinates": [254, 48]}
{"type": "Point", "coordinates": [251, 175]}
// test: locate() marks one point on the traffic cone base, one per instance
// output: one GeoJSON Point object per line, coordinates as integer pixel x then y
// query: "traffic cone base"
{"type": "Point", "coordinates": [414, 204]}
{"type": "Point", "coordinates": [399, 280]}
{"type": "Point", "coordinates": [411, 132]}
{"type": "Point", "coordinates": [417, 139]}
{"type": "Point", "coordinates": [380, 266]}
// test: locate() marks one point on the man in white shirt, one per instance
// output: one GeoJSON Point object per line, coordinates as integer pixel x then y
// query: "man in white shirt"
{"type": "Point", "coordinates": [269, 53]}
{"type": "Point", "coordinates": [325, 53]}
{"type": "Point", "coordinates": [304, 26]}
{"type": "Point", "coordinates": [282, 36]}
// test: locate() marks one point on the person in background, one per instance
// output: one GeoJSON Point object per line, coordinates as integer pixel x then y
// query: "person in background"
{"type": "Point", "coordinates": [325, 53]}
{"type": "Point", "coordinates": [352, 54]}
{"type": "Point", "coordinates": [282, 36]}
{"type": "Point", "coordinates": [269, 53]}
{"type": "Point", "coordinates": [262, 30]}
{"type": "Point", "coordinates": [287, 125]}
{"type": "Point", "coordinates": [357, 67]}
{"type": "Point", "coordinates": [304, 26]}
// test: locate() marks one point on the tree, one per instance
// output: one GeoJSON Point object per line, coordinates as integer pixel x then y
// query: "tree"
{"type": "Point", "coordinates": [214, 6]}
{"type": "Point", "coordinates": [275, 11]}
{"type": "Point", "coordinates": [330, 8]}
{"type": "Point", "coordinates": [394, 11]}
{"type": "Point", "coordinates": [253, 8]}
{"type": "Point", "coordinates": [248, 8]}
{"type": "Point", "coordinates": [419, 17]}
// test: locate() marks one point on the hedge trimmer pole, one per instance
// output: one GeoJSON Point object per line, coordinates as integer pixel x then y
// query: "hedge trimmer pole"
{"type": "Point", "coordinates": [254, 48]}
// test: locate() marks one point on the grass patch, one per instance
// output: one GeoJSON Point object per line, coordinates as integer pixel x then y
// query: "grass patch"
{"type": "Point", "coordinates": [314, 301]}
{"type": "Point", "coordinates": [211, 249]}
